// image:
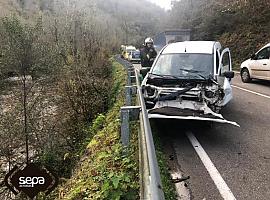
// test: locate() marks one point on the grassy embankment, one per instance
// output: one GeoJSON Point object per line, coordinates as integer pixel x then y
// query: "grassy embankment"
{"type": "Point", "coordinates": [103, 171]}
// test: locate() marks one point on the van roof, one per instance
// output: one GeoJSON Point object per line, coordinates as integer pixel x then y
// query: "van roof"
{"type": "Point", "coordinates": [205, 47]}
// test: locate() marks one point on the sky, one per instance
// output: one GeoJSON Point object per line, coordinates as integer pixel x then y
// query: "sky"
{"type": "Point", "coordinates": [166, 4]}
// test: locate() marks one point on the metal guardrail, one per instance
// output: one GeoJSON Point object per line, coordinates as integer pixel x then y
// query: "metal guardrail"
{"type": "Point", "coordinates": [150, 181]}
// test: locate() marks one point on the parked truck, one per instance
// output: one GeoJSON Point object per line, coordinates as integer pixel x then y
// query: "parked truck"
{"type": "Point", "coordinates": [171, 36]}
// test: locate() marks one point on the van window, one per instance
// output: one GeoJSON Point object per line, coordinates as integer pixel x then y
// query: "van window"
{"type": "Point", "coordinates": [225, 65]}
{"type": "Point", "coordinates": [184, 65]}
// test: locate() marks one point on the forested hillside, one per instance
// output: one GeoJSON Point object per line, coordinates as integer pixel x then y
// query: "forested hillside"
{"type": "Point", "coordinates": [242, 25]}
{"type": "Point", "coordinates": [131, 21]}
{"type": "Point", "coordinates": [136, 18]}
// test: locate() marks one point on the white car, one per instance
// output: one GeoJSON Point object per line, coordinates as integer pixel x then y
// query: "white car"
{"type": "Point", "coordinates": [189, 80]}
{"type": "Point", "coordinates": [258, 66]}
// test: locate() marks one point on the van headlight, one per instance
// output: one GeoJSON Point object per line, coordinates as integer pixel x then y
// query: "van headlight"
{"type": "Point", "coordinates": [149, 92]}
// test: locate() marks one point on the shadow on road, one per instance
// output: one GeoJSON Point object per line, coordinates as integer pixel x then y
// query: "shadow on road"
{"type": "Point", "coordinates": [260, 82]}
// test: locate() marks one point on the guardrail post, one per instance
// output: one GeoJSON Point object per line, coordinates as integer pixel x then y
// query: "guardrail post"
{"type": "Point", "coordinates": [128, 78]}
{"type": "Point", "coordinates": [130, 91]}
{"type": "Point", "coordinates": [128, 113]}
{"type": "Point", "coordinates": [125, 127]}
{"type": "Point", "coordinates": [128, 96]}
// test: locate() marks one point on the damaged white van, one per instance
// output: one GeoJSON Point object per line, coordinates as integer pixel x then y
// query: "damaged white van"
{"type": "Point", "coordinates": [189, 80]}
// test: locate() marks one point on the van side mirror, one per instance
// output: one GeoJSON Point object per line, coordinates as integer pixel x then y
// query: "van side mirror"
{"type": "Point", "coordinates": [228, 74]}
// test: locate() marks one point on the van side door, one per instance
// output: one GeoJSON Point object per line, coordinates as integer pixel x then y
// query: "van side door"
{"type": "Point", "coordinates": [225, 65]}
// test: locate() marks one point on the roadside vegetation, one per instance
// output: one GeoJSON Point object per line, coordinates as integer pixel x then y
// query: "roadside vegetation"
{"type": "Point", "coordinates": [242, 25]}
{"type": "Point", "coordinates": [105, 170]}
{"type": "Point", "coordinates": [53, 90]}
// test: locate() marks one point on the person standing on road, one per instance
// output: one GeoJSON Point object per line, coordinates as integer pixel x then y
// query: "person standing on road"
{"type": "Point", "coordinates": [148, 53]}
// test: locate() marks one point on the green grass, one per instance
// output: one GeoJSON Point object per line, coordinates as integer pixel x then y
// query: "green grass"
{"type": "Point", "coordinates": [104, 171]}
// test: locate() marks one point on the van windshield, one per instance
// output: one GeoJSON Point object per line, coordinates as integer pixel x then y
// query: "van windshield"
{"type": "Point", "coordinates": [193, 65]}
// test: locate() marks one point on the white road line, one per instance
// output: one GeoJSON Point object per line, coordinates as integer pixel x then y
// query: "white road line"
{"type": "Point", "coordinates": [250, 91]}
{"type": "Point", "coordinates": [223, 188]}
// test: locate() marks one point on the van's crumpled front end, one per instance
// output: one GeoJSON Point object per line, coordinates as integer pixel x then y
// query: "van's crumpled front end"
{"type": "Point", "coordinates": [189, 80]}
{"type": "Point", "coordinates": [189, 99]}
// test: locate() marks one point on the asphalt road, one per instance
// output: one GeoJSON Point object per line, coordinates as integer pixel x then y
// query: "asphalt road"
{"type": "Point", "coordinates": [241, 155]}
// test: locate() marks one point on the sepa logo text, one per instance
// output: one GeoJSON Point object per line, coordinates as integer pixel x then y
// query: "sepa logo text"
{"type": "Point", "coordinates": [31, 181]}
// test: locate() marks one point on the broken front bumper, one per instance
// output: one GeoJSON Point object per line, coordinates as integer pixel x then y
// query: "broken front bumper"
{"type": "Point", "coordinates": [202, 113]}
